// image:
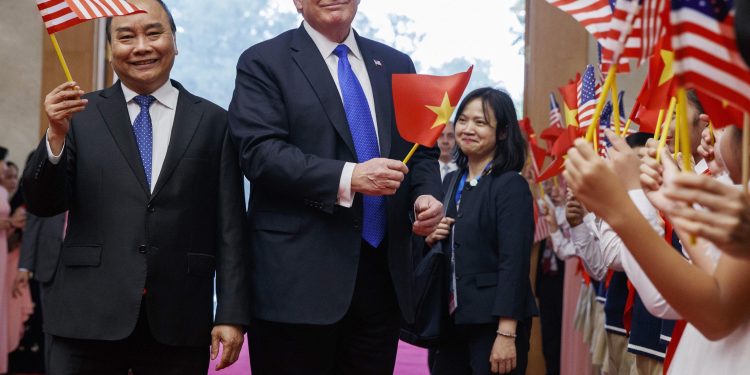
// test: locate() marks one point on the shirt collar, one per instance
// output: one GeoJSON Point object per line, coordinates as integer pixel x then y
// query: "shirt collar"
{"type": "Point", "coordinates": [166, 94]}
{"type": "Point", "coordinates": [326, 46]}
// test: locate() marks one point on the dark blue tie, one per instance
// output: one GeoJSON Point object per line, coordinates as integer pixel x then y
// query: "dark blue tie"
{"type": "Point", "coordinates": [143, 133]}
{"type": "Point", "coordinates": [365, 143]}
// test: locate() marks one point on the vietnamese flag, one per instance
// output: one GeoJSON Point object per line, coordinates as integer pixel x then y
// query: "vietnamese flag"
{"type": "Point", "coordinates": [538, 154]}
{"type": "Point", "coordinates": [558, 151]}
{"type": "Point", "coordinates": [719, 111]}
{"type": "Point", "coordinates": [425, 103]}
{"type": "Point", "coordinates": [569, 94]}
{"type": "Point", "coordinates": [657, 90]}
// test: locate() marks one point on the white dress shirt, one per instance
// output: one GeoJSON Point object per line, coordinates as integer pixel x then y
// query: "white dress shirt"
{"type": "Point", "coordinates": [326, 47]}
{"type": "Point", "coordinates": [162, 113]}
{"type": "Point", "coordinates": [446, 168]}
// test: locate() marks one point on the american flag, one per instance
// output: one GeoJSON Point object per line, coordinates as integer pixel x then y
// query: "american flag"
{"type": "Point", "coordinates": [595, 17]}
{"type": "Point", "coordinates": [555, 117]}
{"type": "Point", "coordinates": [647, 20]}
{"type": "Point", "coordinates": [587, 97]}
{"type": "Point", "coordinates": [61, 14]}
{"type": "Point", "coordinates": [604, 123]}
{"type": "Point", "coordinates": [706, 55]}
{"type": "Point", "coordinates": [541, 229]}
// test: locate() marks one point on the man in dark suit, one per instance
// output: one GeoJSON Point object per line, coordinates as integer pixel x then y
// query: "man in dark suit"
{"type": "Point", "coordinates": [40, 248]}
{"type": "Point", "coordinates": [151, 181]}
{"type": "Point", "coordinates": [330, 206]}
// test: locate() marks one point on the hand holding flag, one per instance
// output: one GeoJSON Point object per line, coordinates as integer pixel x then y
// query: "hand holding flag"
{"type": "Point", "coordinates": [424, 104]}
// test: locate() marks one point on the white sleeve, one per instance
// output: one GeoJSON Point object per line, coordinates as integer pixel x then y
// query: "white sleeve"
{"type": "Point", "coordinates": [586, 246]}
{"type": "Point", "coordinates": [652, 299]}
{"type": "Point", "coordinates": [611, 246]}
{"type": "Point", "coordinates": [54, 159]}
{"type": "Point", "coordinates": [562, 246]}
{"type": "Point", "coordinates": [345, 197]}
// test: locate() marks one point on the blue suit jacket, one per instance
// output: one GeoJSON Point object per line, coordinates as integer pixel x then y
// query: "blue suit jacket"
{"type": "Point", "coordinates": [289, 124]}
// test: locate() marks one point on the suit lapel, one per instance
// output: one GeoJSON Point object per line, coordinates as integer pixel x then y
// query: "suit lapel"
{"type": "Point", "coordinates": [307, 56]}
{"type": "Point", "coordinates": [114, 110]}
{"type": "Point", "coordinates": [379, 80]}
{"type": "Point", "coordinates": [186, 119]}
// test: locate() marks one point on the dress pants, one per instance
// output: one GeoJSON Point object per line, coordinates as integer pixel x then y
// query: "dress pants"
{"type": "Point", "coordinates": [363, 342]}
{"type": "Point", "coordinates": [549, 292]}
{"type": "Point", "coordinates": [466, 350]}
{"type": "Point", "coordinates": [139, 353]}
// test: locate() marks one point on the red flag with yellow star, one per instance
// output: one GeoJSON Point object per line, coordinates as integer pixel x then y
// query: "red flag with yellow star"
{"type": "Point", "coordinates": [425, 103]}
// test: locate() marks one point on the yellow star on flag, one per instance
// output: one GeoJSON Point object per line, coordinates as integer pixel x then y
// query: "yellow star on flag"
{"type": "Point", "coordinates": [667, 73]}
{"type": "Point", "coordinates": [443, 112]}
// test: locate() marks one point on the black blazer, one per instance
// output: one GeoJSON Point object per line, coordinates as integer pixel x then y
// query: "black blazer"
{"type": "Point", "coordinates": [289, 124]}
{"type": "Point", "coordinates": [40, 247]}
{"type": "Point", "coordinates": [121, 238]}
{"type": "Point", "coordinates": [493, 236]}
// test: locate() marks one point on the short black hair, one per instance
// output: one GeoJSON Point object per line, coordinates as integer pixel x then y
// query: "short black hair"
{"type": "Point", "coordinates": [510, 152]}
{"type": "Point", "coordinates": [3, 153]}
{"type": "Point", "coordinates": [172, 25]}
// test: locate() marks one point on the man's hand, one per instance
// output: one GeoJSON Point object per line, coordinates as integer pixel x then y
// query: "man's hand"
{"type": "Point", "coordinates": [378, 176]}
{"type": "Point", "coordinates": [231, 337]}
{"type": "Point", "coordinates": [428, 212]}
{"type": "Point", "coordinates": [21, 283]}
{"type": "Point", "coordinates": [60, 105]}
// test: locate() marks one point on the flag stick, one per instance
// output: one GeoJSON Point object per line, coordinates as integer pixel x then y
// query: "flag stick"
{"type": "Point", "coordinates": [657, 132]}
{"type": "Point", "coordinates": [745, 150]}
{"type": "Point", "coordinates": [711, 133]}
{"type": "Point", "coordinates": [616, 107]}
{"type": "Point", "coordinates": [61, 58]}
{"type": "Point", "coordinates": [665, 128]}
{"type": "Point", "coordinates": [591, 131]}
{"type": "Point", "coordinates": [411, 153]}
{"type": "Point", "coordinates": [554, 181]}
{"type": "Point", "coordinates": [685, 146]}
{"type": "Point", "coordinates": [627, 127]}
{"type": "Point", "coordinates": [678, 130]}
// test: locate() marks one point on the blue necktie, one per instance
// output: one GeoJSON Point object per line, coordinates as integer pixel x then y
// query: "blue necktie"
{"type": "Point", "coordinates": [365, 143]}
{"type": "Point", "coordinates": [143, 133]}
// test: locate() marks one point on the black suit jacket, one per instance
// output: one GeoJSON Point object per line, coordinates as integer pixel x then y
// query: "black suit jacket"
{"type": "Point", "coordinates": [493, 236]}
{"type": "Point", "coordinates": [289, 124]}
{"type": "Point", "coordinates": [40, 247]}
{"type": "Point", "coordinates": [121, 238]}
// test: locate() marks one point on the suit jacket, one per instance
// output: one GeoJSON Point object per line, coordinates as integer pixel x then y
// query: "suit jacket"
{"type": "Point", "coordinates": [493, 236]}
{"type": "Point", "coordinates": [289, 124]}
{"type": "Point", "coordinates": [40, 247]}
{"type": "Point", "coordinates": [125, 244]}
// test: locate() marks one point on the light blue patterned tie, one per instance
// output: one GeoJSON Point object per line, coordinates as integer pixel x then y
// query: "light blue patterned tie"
{"type": "Point", "coordinates": [365, 143]}
{"type": "Point", "coordinates": [144, 133]}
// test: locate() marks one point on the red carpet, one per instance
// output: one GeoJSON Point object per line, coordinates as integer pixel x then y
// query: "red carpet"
{"type": "Point", "coordinates": [409, 361]}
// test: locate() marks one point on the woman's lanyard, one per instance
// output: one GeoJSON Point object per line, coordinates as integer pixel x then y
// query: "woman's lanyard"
{"type": "Point", "coordinates": [472, 183]}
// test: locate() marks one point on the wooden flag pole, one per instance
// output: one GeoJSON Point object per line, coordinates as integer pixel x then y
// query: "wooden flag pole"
{"type": "Point", "coordinates": [677, 130]}
{"type": "Point", "coordinates": [411, 153]}
{"type": "Point", "coordinates": [665, 128]}
{"type": "Point", "coordinates": [591, 131]}
{"type": "Point", "coordinates": [657, 132]}
{"type": "Point", "coordinates": [685, 147]}
{"type": "Point", "coordinates": [61, 57]}
{"type": "Point", "coordinates": [745, 151]}
{"type": "Point", "coordinates": [616, 108]}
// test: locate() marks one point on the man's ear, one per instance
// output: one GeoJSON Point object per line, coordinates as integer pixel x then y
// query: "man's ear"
{"type": "Point", "coordinates": [174, 41]}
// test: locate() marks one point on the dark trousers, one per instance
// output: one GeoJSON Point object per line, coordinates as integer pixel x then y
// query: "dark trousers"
{"type": "Point", "coordinates": [549, 291]}
{"type": "Point", "coordinates": [139, 352]}
{"type": "Point", "coordinates": [364, 342]}
{"type": "Point", "coordinates": [467, 348]}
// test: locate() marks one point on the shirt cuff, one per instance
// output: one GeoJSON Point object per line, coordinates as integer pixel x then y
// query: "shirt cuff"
{"type": "Point", "coordinates": [54, 159]}
{"type": "Point", "coordinates": [345, 197]}
{"type": "Point", "coordinates": [638, 196]}
{"type": "Point", "coordinates": [580, 233]}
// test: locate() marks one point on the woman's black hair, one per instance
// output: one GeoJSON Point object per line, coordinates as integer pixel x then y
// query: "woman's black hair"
{"type": "Point", "coordinates": [511, 148]}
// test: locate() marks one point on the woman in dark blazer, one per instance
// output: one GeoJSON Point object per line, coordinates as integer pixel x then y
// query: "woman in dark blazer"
{"type": "Point", "coordinates": [489, 228]}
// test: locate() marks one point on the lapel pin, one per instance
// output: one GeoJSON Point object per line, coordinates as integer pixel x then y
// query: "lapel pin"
{"type": "Point", "coordinates": [377, 62]}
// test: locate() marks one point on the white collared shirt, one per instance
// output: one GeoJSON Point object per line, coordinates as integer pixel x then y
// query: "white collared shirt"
{"type": "Point", "coordinates": [446, 168]}
{"type": "Point", "coordinates": [162, 113]}
{"type": "Point", "coordinates": [326, 47]}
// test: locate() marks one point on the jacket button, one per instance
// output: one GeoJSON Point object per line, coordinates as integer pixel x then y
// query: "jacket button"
{"type": "Point", "coordinates": [460, 214]}
{"type": "Point", "coordinates": [150, 208]}
{"type": "Point", "coordinates": [142, 249]}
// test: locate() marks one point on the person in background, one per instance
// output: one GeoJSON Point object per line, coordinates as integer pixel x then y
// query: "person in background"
{"type": "Point", "coordinates": [447, 144]}
{"type": "Point", "coordinates": [151, 182]}
{"type": "Point", "coordinates": [489, 230]}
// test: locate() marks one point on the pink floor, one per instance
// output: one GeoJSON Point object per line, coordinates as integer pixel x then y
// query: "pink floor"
{"type": "Point", "coordinates": [410, 360]}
